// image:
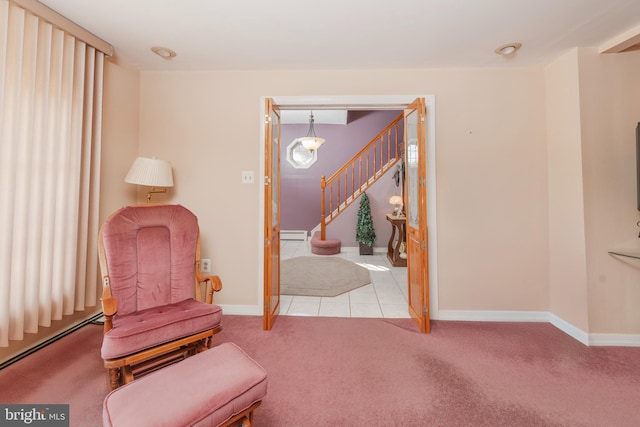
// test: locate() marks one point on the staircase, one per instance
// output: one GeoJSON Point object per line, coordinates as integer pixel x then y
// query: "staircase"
{"type": "Point", "coordinates": [356, 175]}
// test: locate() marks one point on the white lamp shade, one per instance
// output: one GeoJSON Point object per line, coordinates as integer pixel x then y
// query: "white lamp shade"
{"type": "Point", "coordinates": [152, 172]}
{"type": "Point", "coordinates": [395, 200]}
{"type": "Point", "coordinates": [311, 143]}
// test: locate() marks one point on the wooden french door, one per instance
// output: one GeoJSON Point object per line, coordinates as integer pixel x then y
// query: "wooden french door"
{"type": "Point", "coordinates": [415, 116]}
{"type": "Point", "coordinates": [271, 214]}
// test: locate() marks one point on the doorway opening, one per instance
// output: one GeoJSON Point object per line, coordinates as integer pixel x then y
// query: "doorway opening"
{"type": "Point", "coordinates": [286, 103]}
{"type": "Point", "coordinates": [311, 284]}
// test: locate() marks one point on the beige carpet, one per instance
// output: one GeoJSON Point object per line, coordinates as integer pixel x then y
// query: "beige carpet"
{"type": "Point", "coordinates": [321, 276]}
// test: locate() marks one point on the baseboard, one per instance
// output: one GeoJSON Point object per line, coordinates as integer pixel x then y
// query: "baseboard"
{"type": "Point", "coordinates": [494, 316]}
{"type": "Point", "coordinates": [569, 329]}
{"type": "Point", "coordinates": [294, 235]}
{"type": "Point", "coordinates": [95, 318]}
{"type": "Point", "coordinates": [615, 340]}
{"type": "Point", "coordinates": [605, 340]}
{"type": "Point", "coordinates": [242, 310]}
{"type": "Point", "coordinates": [618, 340]}
{"type": "Point", "coordinates": [516, 316]}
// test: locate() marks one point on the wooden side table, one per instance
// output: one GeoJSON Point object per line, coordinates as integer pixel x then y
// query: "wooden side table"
{"type": "Point", "coordinates": [393, 251]}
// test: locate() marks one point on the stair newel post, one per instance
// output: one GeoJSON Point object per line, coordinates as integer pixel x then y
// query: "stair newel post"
{"type": "Point", "coordinates": [323, 184]}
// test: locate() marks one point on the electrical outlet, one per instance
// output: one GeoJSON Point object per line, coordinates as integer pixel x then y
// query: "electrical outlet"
{"type": "Point", "coordinates": [247, 177]}
{"type": "Point", "coordinates": [205, 265]}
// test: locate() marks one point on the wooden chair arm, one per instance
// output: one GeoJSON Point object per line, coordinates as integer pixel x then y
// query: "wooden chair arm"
{"type": "Point", "coordinates": [109, 305]}
{"type": "Point", "coordinates": [214, 284]}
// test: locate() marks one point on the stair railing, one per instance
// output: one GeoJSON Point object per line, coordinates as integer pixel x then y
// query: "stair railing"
{"type": "Point", "coordinates": [356, 175]}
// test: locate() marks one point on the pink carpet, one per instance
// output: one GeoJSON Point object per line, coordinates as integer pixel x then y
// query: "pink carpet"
{"type": "Point", "coordinates": [377, 372]}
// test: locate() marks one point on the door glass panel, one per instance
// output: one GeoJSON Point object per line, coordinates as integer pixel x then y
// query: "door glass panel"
{"type": "Point", "coordinates": [413, 213]}
{"type": "Point", "coordinates": [275, 170]}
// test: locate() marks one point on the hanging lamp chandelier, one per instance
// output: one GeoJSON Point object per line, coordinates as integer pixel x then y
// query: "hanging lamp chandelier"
{"type": "Point", "coordinates": [311, 141]}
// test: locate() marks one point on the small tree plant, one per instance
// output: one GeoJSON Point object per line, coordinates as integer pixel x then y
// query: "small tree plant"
{"type": "Point", "coordinates": [365, 233]}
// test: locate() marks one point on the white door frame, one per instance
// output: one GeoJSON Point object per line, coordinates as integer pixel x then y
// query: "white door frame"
{"type": "Point", "coordinates": [369, 102]}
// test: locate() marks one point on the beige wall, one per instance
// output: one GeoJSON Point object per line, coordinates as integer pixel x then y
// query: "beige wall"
{"type": "Point", "coordinates": [120, 118]}
{"type": "Point", "coordinates": [567, 259]}
{"type": "Point", "coordinates": [535, 175]}
{"type": "Point", "coordinates": [593, 107]}
{"type": "Point", "coordinates": [491, 185]}
{"type": "Point", "coordinates": [610, 111]}
{"type": "Point", "coordinates": [491, 165]}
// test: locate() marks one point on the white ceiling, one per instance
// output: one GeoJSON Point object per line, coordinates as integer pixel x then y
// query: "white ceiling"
{"type": "Point", "coordinates": [348, 34]}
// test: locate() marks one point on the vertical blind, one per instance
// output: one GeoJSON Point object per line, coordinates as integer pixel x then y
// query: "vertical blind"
{"type": "Point", "coordinates": [50, 119]}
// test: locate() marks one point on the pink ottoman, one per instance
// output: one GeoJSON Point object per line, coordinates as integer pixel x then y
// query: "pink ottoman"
{"type": "Point", "coordinates": [324, 247]}
{"type": "Point", "coordinates": [214, 388]}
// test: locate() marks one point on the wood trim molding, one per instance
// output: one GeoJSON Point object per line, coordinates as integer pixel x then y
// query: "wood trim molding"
{"type": "Point", "coordinates": [54, 18]}
{"type": "Point", "coordinates": [626, 41]}
{"type": "Point", "coordinates": [586, 338]}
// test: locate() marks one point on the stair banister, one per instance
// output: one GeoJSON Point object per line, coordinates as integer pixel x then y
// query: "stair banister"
{"type": "Point", "coordinates": [361, 160]}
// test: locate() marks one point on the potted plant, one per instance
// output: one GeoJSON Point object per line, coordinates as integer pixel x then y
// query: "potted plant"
{"type": "Point", "coordinates": [365, 234]}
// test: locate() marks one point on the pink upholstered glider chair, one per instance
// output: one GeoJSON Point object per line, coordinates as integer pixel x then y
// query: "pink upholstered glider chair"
{"type": "Point", "coordinates": [152, 296]}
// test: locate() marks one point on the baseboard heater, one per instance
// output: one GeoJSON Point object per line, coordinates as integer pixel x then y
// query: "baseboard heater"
{"type": "Point", "coordinates": [294, 235]}
{"type": "Point", "coordinates": [97, 319]}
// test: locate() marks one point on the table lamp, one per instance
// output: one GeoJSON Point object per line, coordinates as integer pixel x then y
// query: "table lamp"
{"type": "Point", "coordinates": [397, 201]}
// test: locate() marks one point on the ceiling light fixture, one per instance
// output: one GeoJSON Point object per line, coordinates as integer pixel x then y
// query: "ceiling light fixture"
{"type": "Point", "coordinates": [508, 49]}
{"type": "Point", "coordinates": [163, 52]}
{"type": "Point", "coordinates": [311, 141]}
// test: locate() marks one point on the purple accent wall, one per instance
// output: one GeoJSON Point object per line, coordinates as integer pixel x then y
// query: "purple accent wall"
{"type": "Point", "coordinates": [300, 188]}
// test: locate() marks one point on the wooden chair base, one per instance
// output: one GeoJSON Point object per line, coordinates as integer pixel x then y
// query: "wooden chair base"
{"type": "Point", "coordinates": [244, 418]}
{"type": "Point", "coordinates": [123, 370]}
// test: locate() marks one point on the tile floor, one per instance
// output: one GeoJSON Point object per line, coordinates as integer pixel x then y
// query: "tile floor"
{"type": "Point", "coordinates": [385, 297]}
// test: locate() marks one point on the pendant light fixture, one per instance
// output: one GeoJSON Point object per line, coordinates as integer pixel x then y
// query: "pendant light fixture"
{"type": "Point", "coordinates": [311, 141]}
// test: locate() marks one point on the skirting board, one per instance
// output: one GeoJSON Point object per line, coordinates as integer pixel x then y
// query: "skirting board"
{"type": "Point", "coordinates": [596, 339]}
{"type": "Point", "coordinates": [494, 316]}
{"type": "Point", "coordinates": [622, 340]}
{"type": "Point", "coordinates": [241, 310]}
{"type": "Point", "coordinates": [294, 235]}
{"type": "Point", "coordinates": [569, 329]}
